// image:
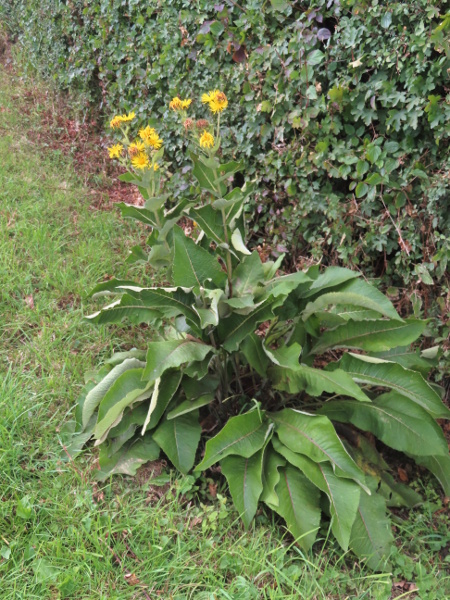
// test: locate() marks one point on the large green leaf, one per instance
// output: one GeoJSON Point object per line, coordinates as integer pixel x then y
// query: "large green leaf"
{"type": "Point", "coordinates": [439, 466]}
{"type": "Point", "coordinates": [331, 277]}
{"type": "Point", "coordinates": [248, 274]}
{"type": "Point", "coordinates": [109, 287]}
{"type": "Point", "coordinates": [179, 439]}
{"type": "Point", "coordinates": [127, 390]}
{"type": "Point", "coordinates": [244, 476]}
{"type": "Point", "coordinates": [211, 222]}
{"type": "Point", "coordinates": [193, 265]}
{"type": "Point", "coordinates": [371, 537]}
{"type": "Point", "coordinates": [97, 393]}
{"type": "Point", "coordinates": [140, 214]}
{"type": "Point", "coordinates": [394, 419]}
{"type": "Point", "coordinates": [407, 358]}
{"type": "Point", "coordinates": [375, 336]}
{"type": "Point", "coordinates": [163, 392]}
{"type": "Point", "coordinates": [252, 349]}
{"type": "Point", "coordinates": [316, 381]}
{"type": "Point", "coordinates": [208, 177]}
{"type": "Point", "coordinates": [188, 406]}
{"type": "Point", "coordinates": [128, 459]}
{"type": "Point", "coordinates": [235, 328]}
{"type": "Point", "coordinates": [283, 285]}
{"type": "Point", "coordinates": [169, 302]}
{"type": "Point", "coordinates": [343, 494]}
{"type": "Point", "coordinates": [271, 476]}
{"type": "Point", "coordinates": [357, 293]}
{"type": "Point", "coordinates": [243, 435]}
{"type": "Point", "coordinates": [314, 436]}
{"type": "Point", "coordinates": [379, 373]}
{"type": "Point", "coordinates": [173, 353]}
{"type": "Point", "coordinates": [299, 505]}
{"type": "Point", "coordinates": [126, 307]}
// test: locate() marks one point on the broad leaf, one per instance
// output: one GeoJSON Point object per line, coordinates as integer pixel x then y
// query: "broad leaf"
{"type": "Point", "coordinates": [235, 328]}
{"type": "Point", "coordinates": [298, 504]}
{"type": "Point", "coordinates": [439, 466]}
{"type": "Point", "coordinates": [169, 302]}
{"type": "Point", "coordinates": [252, 349]}
{"type": "Point", "coordinates": [331, 277]}
{"type": "Point", "coordinates": [243, 435]}
{"type": "Point", "coordinates": [127, 390]}
{"type": "Point", "coordinates": [271, 476]}
{"type": "Point", "coordinates": [207, 177]}
{"type": "Point", "coordinates": [357, 293]}
{"type": "Point", "coordinates": [283, 285]}
{"type": "Point", "coordinates": [314, 436]}
{"type": "Point", "coordinates": [210, 221]}
{"type": "Point", "coordinates": [110, 287]}
{"type": "Point", "coordinates": [128, 459]}
{"type": "Point", "coordinates": [165, 355]}
{"type": "Point", "coordinates": [126, 307]}
{"type": "Point", "coordinates": [190, 405]}
{"type": "Point", "coordinates": [238, 242]}
{"type": "Point", "coordinates": [97, 393]}
{"type": "Point", "coordinates": [192, 264]}
{"type": "Point", "coordinates": [163, 392]}
{"type": "Point", "coordinates": [316, 381]}
{"type": "Point", "coordinates": [407, 358]}
{"type": "Point", "coordinates": [140, 214]}
{"type": "Point", "coordinates": [343, 494]}
{"type": "Point", "coordinates": [179, 439]}
{"type": "Point", "coordinates": [248, 274]}
{"type": "Point", "coordinates": [394, 419]}
{"type": "Point", "coordinates": [375, 336]}
{"type": "Point", "coordinates": [371, 537]}
{"type": "Point", "coordinates": [244, 476]}
{"type": "Point", "coordinates": [408, 383]}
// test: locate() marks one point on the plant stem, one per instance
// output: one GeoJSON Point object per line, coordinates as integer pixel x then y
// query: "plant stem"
{"type": "Point", "coordinates": [228, 255]}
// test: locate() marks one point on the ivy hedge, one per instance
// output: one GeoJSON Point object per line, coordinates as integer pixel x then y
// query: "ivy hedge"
{"type": "Point", "coordinates": [340, 110]}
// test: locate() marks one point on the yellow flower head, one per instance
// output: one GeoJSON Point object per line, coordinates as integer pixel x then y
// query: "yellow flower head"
{"type": "Point", "coordinates": [216, 100]}
{"type": "Point", "coordinates": [186, 104]}
{"type": "Point", "coordinates": [206, 140]}
{"type": "Point", "coordinates": [136, 148]}
{"type": "Point", "coordinates": [146, 133]}
{"type": "Point", "coordinates": [155, 167]}
{"type": "Point", "coordinates": [175, 103]}
{"type": "Point", "coordinates": [154, 141]}
{"type": "Point", "coordinates": [115, 121]}
{"type": "Point", "coordinates": [140, 161]}
{"type": "Point", "coordinates": [115, 151]}
{"type": "Point", "coordinates": [129, 117]}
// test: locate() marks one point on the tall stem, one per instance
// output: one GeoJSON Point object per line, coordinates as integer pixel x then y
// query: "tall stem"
{"type": "Point", "coordinates": [228, 255]}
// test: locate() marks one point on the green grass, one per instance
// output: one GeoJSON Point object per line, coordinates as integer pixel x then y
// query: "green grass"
{"type": "Point", "coordinates": [62, 535]}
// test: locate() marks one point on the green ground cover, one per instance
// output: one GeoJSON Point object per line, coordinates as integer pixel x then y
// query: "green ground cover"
{"type": "Point", "coordinates": [61, 534]}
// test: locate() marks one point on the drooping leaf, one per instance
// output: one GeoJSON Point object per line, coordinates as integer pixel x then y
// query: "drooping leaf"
{"type": "Point", "coordinates": [128, 459]}
{"type": "Point", "coordinates": [376, 372]}
{"type": "Point", "coordinates": [394, 419]}
{"type": "Point", "coordinates": [235, 328]}
{"type": "Point", "coordinates": [252, 349]}
{"type": "Point", "coordinates": [128, 389]}
{"type": "Point", "coordinates": [244, 476]}
{"type": "Point", "coordinates": [119, 357]}
{"type": "Point", "coordinates": [164, 390]}
{"type": "Point", "coordinates": [112, 286]}
{"type": "Point", "coordinates": [283, 285]}
{"type": "Point", "coordinates": [97, 393]}
{"type": "Point", "coordinates": [371, 537]}
{"type": "Point", "coordinates": [316, 381]}
{"type": "Point", "coordinates": [139, 213]}
{"type": "Point", "coordinates": [407, 358]}
{"type": "Point", "coordinates": [193, 265]}
{"type": "Point", "coordinates": [243, 435]}
{"type": "Point", "coordinates": [397, 494]}
{"type": "Point", "coordinates": [189, 405]}
{"type": "Point", "coordinates": [126, 307]}
{"type": "Point", "coordinates": [439, 466]}
{"type": "Point", "coordinates": [208, 177]}
{"type": "Point", "coordinates": [169, 302]}
{"type": "Point", "coordinates": [271, 476]}
{"type": "Point", "coordinates": [238, 242]}
{"type": "Point", "coordinates": [343, 494]}
{"type": "Point", "coordinates": [315, 436]}
{"type": "Point", "coordinates": [331, 277]}
{"type": "Point", "coordinates": [248, 274]}
{"type": "Point", "coordinates": [179, 439]}
{"type": "Point", "coordinates": [210, 221]}
{"type": "Point", "coordinates": [357, 293]}
{"type": "Point", "coordinates": [374, 336]}
{"type": "Point", "coordinates": [173, 353]}
{"type": "Point", "coordinates": [298, 504]}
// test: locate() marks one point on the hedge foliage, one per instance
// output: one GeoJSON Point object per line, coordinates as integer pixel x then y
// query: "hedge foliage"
{"type": "Point", "coordinates": [341, 109]}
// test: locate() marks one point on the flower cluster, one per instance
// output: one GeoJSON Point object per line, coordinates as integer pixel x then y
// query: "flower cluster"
{"type": "Point", "coordinates": [117, 121]}
{"type": "Point", "coordinates": [216, 100]}
{"type": "Point", "coordinates": [178, 104]}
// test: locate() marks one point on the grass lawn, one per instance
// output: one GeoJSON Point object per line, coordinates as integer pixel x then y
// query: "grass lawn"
{"type": "Point", "coordinates": [62, 535]}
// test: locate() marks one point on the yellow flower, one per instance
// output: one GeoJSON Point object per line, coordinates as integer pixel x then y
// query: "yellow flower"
{"type": "Point", "coordinates": [154, 141]}
{"type": "Point", "coordinates": [115, 121]}
{"type": "Point", "coordinates": [136, 148]}
{"type": "Point", "coordinates": [129, 117]}
{"type": "Point", "coordinates": [185, 104]}
{"type": "Point", "coordinates": [175, 104]}
{"type": "Point", "coordinates": [146, 133]}
{"type": "Point", "coordinates": [115, 151]}
{"type": "Point", "coordinates": [140, 161]}
{"type": "Point", "coordinates": [216, 99]}
{"type": "Point", "coordinates": [155, 167]}
{"type": "Point", "coordinates": [206, 140]}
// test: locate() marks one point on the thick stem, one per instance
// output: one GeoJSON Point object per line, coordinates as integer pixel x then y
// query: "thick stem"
{"type": "Point", "coordinates": [228, 255]}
